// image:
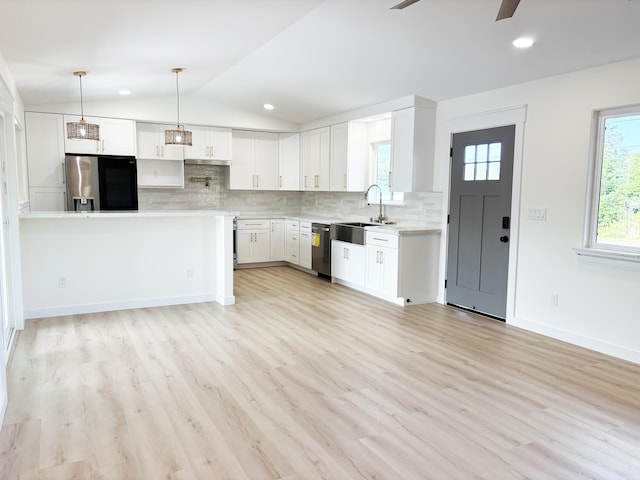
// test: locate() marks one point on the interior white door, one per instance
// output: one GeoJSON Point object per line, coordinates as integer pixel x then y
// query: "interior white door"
{"type": "Point", "coordinates": [5, 294]}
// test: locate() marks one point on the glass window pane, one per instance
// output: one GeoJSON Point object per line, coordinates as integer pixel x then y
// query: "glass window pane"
{"type": "Point", "coordinates": [470, 154]}
{"type": "Point", "coordinates": [481, 171]}
{"type": "Point", "coordinates": [494, 171]}
{"type": "Point", "coordinates": [482, 153]}
{"type": "Point", "coordinates": [469, 171]}
{"type": "Point", "coordinates": [495, 152]}
{"type": "Point", "coordinates": [619, 201]}
{"type": "Point", "coordinates": [383, 164]}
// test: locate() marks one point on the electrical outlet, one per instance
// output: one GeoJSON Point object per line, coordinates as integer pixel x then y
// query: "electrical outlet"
{"type": "Point", "coordinates": [62, 282]}
{"type": "Point", "coordinates": [189, 272]}
{"type": "Point", "coordinates": [554, 299]}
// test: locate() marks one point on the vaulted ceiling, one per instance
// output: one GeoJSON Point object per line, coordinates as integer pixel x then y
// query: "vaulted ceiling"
{"type": "Point", "coordinates": [310, 58]}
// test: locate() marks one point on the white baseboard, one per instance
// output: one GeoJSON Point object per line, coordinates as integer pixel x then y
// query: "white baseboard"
{"type": "Point", "coordinates": [576, 339]}
{"type": "Point", "coordinates": [226, 300]}
{"type": "Point", "coordinates": [112, 306]}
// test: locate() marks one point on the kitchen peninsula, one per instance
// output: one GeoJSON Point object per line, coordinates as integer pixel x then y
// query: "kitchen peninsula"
{"type": "Point", "coordinates": [82, 262]}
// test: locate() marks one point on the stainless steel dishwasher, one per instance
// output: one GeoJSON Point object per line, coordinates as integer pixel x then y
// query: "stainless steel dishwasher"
{"type": "Point", "coordinates": [321, 249]}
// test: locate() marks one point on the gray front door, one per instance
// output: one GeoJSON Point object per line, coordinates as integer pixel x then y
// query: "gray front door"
{"type": "Point", "coordinates": [479, 222]}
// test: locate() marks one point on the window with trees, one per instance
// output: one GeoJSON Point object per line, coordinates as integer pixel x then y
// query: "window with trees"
{"type": "Point", "coordinates": [615, 222]}
{"type": "Point", "coordinates": [381, 168]}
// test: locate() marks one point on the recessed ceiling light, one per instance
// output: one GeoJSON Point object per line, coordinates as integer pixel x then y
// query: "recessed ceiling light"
{"type": "Point", "coordinates": [124, 92]}
{"type": "Point", "coordinates": [268, 106]}
{"type": "Point", "coordinates": [523, 42]}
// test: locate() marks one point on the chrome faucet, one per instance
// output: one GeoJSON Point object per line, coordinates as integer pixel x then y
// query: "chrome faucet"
{"type": "Point", "coordinates": [381, 218]}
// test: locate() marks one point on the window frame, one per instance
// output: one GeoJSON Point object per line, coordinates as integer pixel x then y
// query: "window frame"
{"type": "Point", "coordinates": [607, 253]}
{"type": "Point", "coordinates": [395, 198]}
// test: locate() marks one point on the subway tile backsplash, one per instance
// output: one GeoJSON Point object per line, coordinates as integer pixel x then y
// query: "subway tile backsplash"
{"type": "Point", "coordinates": [419, 208]}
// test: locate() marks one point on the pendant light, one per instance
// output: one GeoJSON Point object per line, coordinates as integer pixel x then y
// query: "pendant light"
{"type": "Point", "coordinates": [82, 130]}
{"type": "Point", "coordinates": [177, 136]}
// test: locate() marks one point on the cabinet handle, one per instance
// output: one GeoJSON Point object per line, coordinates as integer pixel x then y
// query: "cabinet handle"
{"type": "Point", "coordinates": [380, 239]}
{"type": "Point", "coordinates": [280, 181]}
{"type": "Point", "coordinates": [206, 151]}
{"type": "Point", "coordinates": [102, 142]}
{"type": "Point", "coordinates": [316, 181]}
{"type": "Point", "coordinates": [257, 181]}
{"type": "Point", "coordinates": [390, 178]}
{"type": "Point", "coordinates": [162, 150]}
{"type": "Point", "coordinates": [157, 150]}
{"type": "Point", "coordinates": [64, 180]}
{"type": "Point", "coordinates": [305, 181]}
{"type": "Point", "coordinates": [98, 146]}
{"type": "Point", "coordinates": [345, 180]}
{"type": "Point", "coordinates": [211, 151]}
{"type": "Point", "coordinates": [381, 257]}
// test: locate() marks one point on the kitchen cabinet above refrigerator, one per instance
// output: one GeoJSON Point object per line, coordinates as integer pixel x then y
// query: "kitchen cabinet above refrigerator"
{"type": "Point", "coordinates": [117, 137]}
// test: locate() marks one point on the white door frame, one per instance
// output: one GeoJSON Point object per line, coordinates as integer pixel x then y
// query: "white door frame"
{"type": "Point", "coordinates": [480, 121]}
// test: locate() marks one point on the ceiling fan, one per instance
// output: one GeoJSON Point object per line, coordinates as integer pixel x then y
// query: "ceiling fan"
{"type": "Point", "coordinates": [507, 9]}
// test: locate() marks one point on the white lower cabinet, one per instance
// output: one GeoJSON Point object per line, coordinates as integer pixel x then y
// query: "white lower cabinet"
{"type": "Point", "coordinates": [348, 262]}
{"type": "Point", "coordinates": [305, 244]}
{"type": "Point", "coordinates": [292, 241]}
{"type": "Point", "coordinates": [47, 199]}
{"type": "Point", "coordinates": [277, 240]}
{"type": "Point", "coordinates": [382, 270]}
{"type": "Point", "coordinates": [402, 267]}
{"type": "Point", "coordinates": [254, 241]}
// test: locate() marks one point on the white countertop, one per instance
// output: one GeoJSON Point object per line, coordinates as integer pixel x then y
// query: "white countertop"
{"type": "Point", "coordinates": [394, 229]}
{"type": "Point", "coordinates": [127, 214]}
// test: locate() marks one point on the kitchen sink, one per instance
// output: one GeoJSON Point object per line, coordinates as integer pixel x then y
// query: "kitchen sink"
{"type": "Point", "coordinates": [350, 232]}
{"type": "Point", "coordinates": [358, 224]}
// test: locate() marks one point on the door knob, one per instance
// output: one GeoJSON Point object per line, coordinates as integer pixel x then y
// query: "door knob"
{"type": "Point", "coordinates": [504, 239]}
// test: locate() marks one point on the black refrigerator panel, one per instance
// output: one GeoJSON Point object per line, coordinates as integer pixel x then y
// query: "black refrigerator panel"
{"type": "Point", "coordinates": [118, 183]}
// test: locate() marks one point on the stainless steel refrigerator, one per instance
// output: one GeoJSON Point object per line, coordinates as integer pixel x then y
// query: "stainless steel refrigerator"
{"type": "Point", "coordinates": [83, 183]}
{"type": "Point", "coordinates": [101, 183]}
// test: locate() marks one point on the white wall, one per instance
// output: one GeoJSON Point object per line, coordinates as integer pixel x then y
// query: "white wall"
{"type": "Point", "coordinates": [112, 262]}
{"type": "Point", "coordinates": [597, 306]}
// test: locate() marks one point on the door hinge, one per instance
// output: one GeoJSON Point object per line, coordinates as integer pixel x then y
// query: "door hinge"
{"type": "Point", "coordinates": [448, 219]}
{"type": "Point", "coordinates": [451, 152]}
{"type": "Point", "coordinates": [445, 284]}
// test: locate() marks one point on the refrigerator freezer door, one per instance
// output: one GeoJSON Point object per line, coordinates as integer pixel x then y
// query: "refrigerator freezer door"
{"type": "Point", "coordinates": [82, 182]}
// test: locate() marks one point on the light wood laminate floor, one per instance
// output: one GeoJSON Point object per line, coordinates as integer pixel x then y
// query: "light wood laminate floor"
{"type": "Point", "coordinates": [303, 380]}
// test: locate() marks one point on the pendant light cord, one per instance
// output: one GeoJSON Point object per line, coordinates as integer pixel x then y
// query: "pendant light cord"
{"type": "Point", "coordinates": [178, 98]}
{"type": "Point", "coordinates": [81, 107]}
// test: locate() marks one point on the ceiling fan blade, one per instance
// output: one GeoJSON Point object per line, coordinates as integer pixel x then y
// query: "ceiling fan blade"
{"type": "Point", "coordinates": [404, 4]}
{"type": "Point", "coordinates": [507, 9]}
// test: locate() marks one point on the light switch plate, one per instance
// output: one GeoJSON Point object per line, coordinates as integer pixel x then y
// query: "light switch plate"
{"type": "Point", "coordinates": [537, 214]}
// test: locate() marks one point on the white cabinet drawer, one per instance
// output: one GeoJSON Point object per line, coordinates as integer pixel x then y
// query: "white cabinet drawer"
{"type": "Point", "coordinates": [382, 239]}
{"type": "Point", "coordinates": [254, 224]}
{"type": "Point", "coordinates": [305, 226]}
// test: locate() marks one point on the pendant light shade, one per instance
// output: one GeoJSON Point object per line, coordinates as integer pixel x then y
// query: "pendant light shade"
{"type": "Point", "coordinates": [82, 130]}
{"type": "Point", "coordinates": [178, 136]}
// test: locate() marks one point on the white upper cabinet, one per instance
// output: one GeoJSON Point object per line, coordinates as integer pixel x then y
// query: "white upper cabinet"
{"type": "Point", "coordinates": [289, 161]}
{"type": "Point", "coordinates": [209, 143]}
{"type": "Point", "coordinates": [412, 149]}
{"type": "Point", "coordinates": [45, 149]}
{"type": "Point", "coordinates": [349, 157]}
{"type": "Point", "coordinates": [117, 137]}
{"type": "Point", "coordinates": [45, 161]}
{"type": "Point", "coordinates": [315, 160]}
{"type": "Point", "coordinates": [150, 139]}
{"type": "Point", "coordinates": [255, 161]}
